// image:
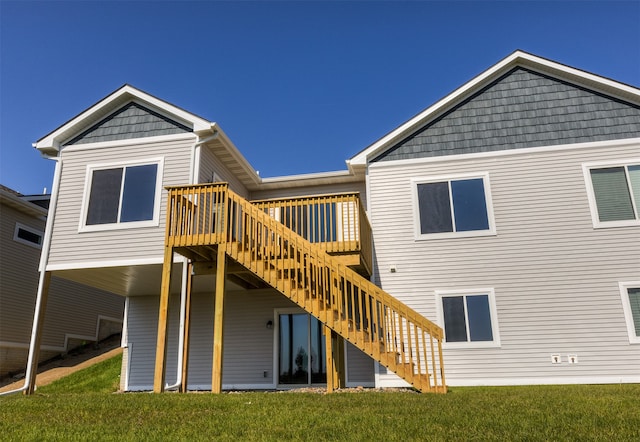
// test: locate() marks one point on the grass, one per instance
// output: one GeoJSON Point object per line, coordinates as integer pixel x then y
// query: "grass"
{"type": "Point", "coordinates": [83, 407]}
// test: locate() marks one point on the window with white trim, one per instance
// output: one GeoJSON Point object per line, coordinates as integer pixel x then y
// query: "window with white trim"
{"type": "Point", "coordinates": [630, 294]}
{"type": "Point", "coordinates": [27, 235]}
{"type": "Point", "coordinates": [454, 206]}
{"type": "Point", "coordinates": [468, 318]}
{"type": "Point", "coordinates": [614, 193]}
{"type": "Point", "coordinates": [124, 195]}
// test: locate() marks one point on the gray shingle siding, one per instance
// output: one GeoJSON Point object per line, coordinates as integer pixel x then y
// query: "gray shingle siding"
{"type": "Point", "coordinates": [521, 109]}
{"type": "Point", "coordinates": [130, 121]}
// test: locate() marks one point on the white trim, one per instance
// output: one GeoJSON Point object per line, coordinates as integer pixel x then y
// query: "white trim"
{"type": "Point", "coordinates": [418, 236]}
{"type": "Point", "coordinates": [551, 380]}
{"type": "Point", "coordinates": [129, 142]}
{"type": "Point", "coordinates": [16, 238]}
{"type": "Point", "coordinates": [499, 153]}
{"type": "Point", "coordinates": [593, 207]}
{"type": "Point", "coordinates": [439, 294]}
{"type": "Point", "coordinates": [108, 263]}
{"type": "Point", "coordinates": [90, 168]}
{"type": "Point", "coordinates": [110, 104]}
{"type": "Point", "coordinates": [626, 307]}
{"type": "Point", "coordinates": [517, 58]}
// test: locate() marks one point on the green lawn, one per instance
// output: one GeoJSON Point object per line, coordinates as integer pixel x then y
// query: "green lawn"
{"type": "Point", "coordinates": [83, 407]}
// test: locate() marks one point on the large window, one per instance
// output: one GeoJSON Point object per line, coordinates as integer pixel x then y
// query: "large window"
{"type": "Point", "coordinates": [120, 196]}
{"type": "Point", "coordinates": [630, 293]}
{"type": "Point", "coordinates": [614, 193]}
{"type": "Point", "coordinates": [468, 318]}
{"type": "Point", "coordinates": [459, 206]}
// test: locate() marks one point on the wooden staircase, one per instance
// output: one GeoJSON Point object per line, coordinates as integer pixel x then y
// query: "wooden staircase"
{"type": "Point", "coordinates": [204, 221]}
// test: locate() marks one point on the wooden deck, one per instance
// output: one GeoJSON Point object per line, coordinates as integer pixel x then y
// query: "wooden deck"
{"type": "Point", "coordinates": [305, 249]}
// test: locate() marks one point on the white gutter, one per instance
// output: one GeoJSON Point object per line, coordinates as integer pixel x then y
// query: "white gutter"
{"type": "Point", "coordinates": [38, 315]}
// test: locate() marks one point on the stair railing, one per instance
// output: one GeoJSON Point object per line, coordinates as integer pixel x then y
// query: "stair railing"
{"type": "Point", "coordinates": [380, 325]}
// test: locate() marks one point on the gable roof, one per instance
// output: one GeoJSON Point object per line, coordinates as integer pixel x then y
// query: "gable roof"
{"type": "Point", "coordinates": [518, 59]}
{"type": "Point", "coordinates": [50, 144]}
{"type": "Point", "coordinates": [127, 104]}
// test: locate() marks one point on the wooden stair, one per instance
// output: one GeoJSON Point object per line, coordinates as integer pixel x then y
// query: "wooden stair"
{"type": "Point", "coordinates": [211, 216]}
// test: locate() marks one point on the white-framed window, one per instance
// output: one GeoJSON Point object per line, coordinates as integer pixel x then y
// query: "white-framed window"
{"type": "Point", "coordinates": [122, 195]}
{"type": "Point", "coordinates": [28, 235]}
{"type": "Point", "coordinates": [614, 193]}
{"type": "Point", "coordinates": [630, 294]}
{"type": "Point", "coordinates": [453, 206]}
{"type": "Point", "coordinates": [468, 318]}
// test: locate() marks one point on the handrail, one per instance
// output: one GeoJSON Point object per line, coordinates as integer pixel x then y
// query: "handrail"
{"type": "Point", "coordinates": [337, 221]}
{"type": "Point", "coordinates": [362, 313]}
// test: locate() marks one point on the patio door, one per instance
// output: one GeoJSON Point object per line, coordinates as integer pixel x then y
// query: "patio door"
{"type": "Point", "coordinates": [301, 350]}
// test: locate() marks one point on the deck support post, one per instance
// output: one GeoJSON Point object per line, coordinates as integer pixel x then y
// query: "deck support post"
{"type": "Point", "coordinates": [218, 338]}
{"type": "Point", "coordinates": [161, 345]}
{"type": "Point", "coordinates": [36, 333]}
{"type": "Point", "coordinates": [334, 347]}
{"type": "Point", "coordinates": [187, 329]}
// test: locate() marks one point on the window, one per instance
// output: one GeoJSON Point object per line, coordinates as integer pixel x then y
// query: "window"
{"type": "Point", "coordinates": [458, 206]}
{"type": "Point", "coordinates": [121, 196]}
{"type": "Point", "coordinates": [630, 293]}
{"type": "Point", "coordinates": [614, 194]}
{"type": "Point", "coordinates": [468, 318]}
{"type": "Point", "coordinates": [27, 235]}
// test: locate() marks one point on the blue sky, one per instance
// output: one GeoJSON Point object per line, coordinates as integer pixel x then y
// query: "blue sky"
{"type": "Point", "coordinates": [298, 86]}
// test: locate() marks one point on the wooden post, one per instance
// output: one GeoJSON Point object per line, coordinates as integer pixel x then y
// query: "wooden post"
{"type": "Point", "coordinates": [161, 345]}
{"type": "Point", "coordinates": [187, 329]}
{"type": "Point", "coordinates": [36, 334]}
{"type": "Point", "coordinates": [218, 338]}
{"type": "Point", "coordinates": [339, 355]}
{"type": "Point", "coordinates": [335, 360]}
{"type": "Point", "coordinates": [331, 372]}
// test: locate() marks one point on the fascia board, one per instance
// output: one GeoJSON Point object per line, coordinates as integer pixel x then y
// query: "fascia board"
{"type": "Point", "coordinates": [51, 142]}
{"type": "Point", "coordinates": [235, 153]}
{"type": "Point", "coordinates": [517, 58]}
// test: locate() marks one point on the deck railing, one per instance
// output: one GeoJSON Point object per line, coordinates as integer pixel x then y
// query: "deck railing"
{"type": "Point", "coordinates": [362, 313]}
{"type": "Point", "coordinates": [337, 223]}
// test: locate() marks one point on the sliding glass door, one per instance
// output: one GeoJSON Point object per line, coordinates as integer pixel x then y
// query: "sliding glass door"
{"type": "Point", "coordinates": [302, 350]}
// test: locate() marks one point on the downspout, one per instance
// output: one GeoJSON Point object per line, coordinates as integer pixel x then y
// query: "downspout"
{"type": "Point", "coordinates": [193, 172]}
{"type": "Point", "coordinates": [183, 315]}
{"type": "Point", "coordinates": [32, 364]}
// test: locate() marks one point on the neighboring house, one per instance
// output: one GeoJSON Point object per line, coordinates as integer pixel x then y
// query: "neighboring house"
{"type": "Point", "coordinates": [76, 314]}
{"type": "Point", "coordinates": [507, 213]}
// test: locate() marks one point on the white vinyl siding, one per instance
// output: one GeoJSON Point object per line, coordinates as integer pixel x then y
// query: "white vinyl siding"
{"type": "Point", "coordinates": [211, 168]}
{"type": "Point", "coordinates": [70, 247]}
{"type": "Point", "coordinates": [313, 190]}
{"type": "Point", "coordinates": [249, 345]}
{"type": "Point", "coordinates": [555, 277]}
